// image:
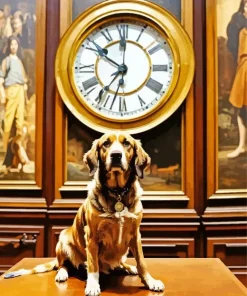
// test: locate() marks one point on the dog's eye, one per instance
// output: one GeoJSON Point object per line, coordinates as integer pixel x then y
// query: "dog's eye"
{"type": "Point", "coordinates": [107, 143]}
{"type": "Point", "coordinates": [126, 143]}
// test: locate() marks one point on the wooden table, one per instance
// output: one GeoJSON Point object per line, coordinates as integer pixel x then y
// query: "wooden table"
{"type": "Point", "coordinates": [182, 277]}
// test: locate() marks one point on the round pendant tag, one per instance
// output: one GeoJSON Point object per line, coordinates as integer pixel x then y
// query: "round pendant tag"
{"type": "Point", "coordinates": [119, 206]}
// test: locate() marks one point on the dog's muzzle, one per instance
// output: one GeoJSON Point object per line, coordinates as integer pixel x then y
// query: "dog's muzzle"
{"type": "Point", "coordinates": [116, 158]}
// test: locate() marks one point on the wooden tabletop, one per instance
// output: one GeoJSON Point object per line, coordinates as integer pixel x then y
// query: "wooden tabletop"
{"type": "Point", "coordinates": [182, 277]}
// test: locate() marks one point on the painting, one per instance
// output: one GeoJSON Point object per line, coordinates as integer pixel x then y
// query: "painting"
{"type": "Point", "coordinates": [231, 25]}
{"type": "Point", "coordinates": [79, 141]}
{"type": "Point", "coordinates": [17, 89]}
{"type": "Point", "coordinates": [162, 143]}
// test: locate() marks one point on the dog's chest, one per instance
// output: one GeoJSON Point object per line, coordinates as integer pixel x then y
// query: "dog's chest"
{"type": "Point", "coordinates": [115, 231]}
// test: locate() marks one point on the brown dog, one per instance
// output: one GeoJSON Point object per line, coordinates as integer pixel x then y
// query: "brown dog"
{"type": "Point", "coordinates": [107, 225]}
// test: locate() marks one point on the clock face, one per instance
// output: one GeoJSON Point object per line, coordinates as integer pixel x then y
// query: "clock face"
{"type": "Point", "coordinates": [123, 69]}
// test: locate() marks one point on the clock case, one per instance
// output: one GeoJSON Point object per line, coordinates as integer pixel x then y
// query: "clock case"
{"type": "Point", "coordinates": [107, 11]}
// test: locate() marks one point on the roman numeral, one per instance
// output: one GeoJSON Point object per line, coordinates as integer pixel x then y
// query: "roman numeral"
{"type": "Point", "coordinates": [123, 30]}
{"type": "Point", "coordinates": [160, 68]}
{"type": "Point", "coordinates": [143, 29]}
{"type": "Point", "coordinates": [92, 89]}
{"type": "Point", "coordinates": [90, 83]}
{"type": "Point", "coordinates": [122, 105]}
{"type": "Point", "coordinates": [107, 35]}
{"type": "Point", "coordinates": [154, 85]}
{"type": "Point", "coordinates": [79, 69]}
{"type": "Point", "coordinates": [113, 101]}
{"type": "Point", "coordinates": [155, 49]}
{"type": "Point", "coordinates": [141, 101]}
{"type": "Point", "coordinates": [106, 100]}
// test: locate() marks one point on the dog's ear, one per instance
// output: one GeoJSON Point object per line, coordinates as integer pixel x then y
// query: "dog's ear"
{"type": "Point", "coordinates": [142, 159]}
{"type": "Point", "coordinates": [91, 158]}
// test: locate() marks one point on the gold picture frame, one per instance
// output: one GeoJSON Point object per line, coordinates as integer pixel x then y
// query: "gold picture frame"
{"type": "Point", "coordinates": [40, 31]}
{"type": "Point", "coordinates": [213, 191]}
{"type": "Point", "coordinates": [63, 187]}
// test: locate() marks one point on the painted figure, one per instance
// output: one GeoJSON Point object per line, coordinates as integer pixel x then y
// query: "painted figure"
{"type": "Point", "coordinates": [237, 44]}
{"type": "Point", "coordinates": [13, 87]}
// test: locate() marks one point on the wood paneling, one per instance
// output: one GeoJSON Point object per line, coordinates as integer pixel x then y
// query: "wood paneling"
{"type": "Point", "coordinates": [172, 226]}
{"type": "Point", "coordinates": [20, 241]}
{"type": "Point", "coordinates": [157, 241]}
{"type": "Point", "coordinates": [232, 251]}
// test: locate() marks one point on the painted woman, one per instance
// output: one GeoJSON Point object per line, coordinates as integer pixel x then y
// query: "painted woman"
{"type": "Point", "coordinates": [237, 44]}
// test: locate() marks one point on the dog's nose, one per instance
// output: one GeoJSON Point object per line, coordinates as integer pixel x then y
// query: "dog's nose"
{"type": "Point", "coordinates": [116, 155]}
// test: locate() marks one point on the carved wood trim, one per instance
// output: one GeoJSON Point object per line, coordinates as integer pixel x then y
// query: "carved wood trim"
{"type": "Point", "coordinates": [19, 241]}
{"type": "Point", "coordinates": [10, 202]}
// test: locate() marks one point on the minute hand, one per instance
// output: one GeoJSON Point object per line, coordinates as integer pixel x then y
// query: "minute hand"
{"type": "Point", "coordinates": [103, 53]}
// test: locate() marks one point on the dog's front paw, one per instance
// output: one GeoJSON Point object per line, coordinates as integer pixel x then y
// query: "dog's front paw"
{"type": "Point", "coordinates": [154, 285]}
{"type": "Point", "coordinates": [62, 275]}
{"type": "Point", "coordinates": [92, 287]}
{"type": "Point", "coordinates": [92, 290]}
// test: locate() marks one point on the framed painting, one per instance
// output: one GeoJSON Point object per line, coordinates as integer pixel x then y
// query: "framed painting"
{"type": "Point", "coordinates": [171, 142]}
{"type": "Point", "coordinates": [22, 49]}
{"type": "Point", "coordinates": [226, 98]}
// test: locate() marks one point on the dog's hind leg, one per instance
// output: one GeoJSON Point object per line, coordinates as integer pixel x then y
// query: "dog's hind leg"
{"type": "Point", "coordinates": [130, 269]}
{"type": "Point", "coordinates": [62, 272]}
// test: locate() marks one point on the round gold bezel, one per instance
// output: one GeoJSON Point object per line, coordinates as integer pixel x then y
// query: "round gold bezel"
{"type": "Point", "coordinates": [144, 113]}
{"type": "Point", "coordinates": [140, 10]}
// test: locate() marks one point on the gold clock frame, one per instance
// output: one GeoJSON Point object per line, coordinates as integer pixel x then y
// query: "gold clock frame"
{"type": "Point", "coordinates": [164, 21]}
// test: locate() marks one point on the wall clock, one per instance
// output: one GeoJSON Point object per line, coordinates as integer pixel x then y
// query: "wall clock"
{"type": "Point", "coordinates": [124, 65]}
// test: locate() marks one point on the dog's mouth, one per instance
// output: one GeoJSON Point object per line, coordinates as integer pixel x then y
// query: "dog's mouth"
{"type": "Point", "coordinates": [116, 165]}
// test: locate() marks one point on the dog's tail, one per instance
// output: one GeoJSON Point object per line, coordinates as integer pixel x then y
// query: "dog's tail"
{"type": "Point", "coordinates": [37, 269]}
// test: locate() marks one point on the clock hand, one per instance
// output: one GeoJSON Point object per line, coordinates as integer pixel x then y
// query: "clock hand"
{"type": "Point", "coordinates": [120, 83]}
{"type": "Point", "coordinates": [107, 87]}
{"type": "Point", "coordinates": [122, 37]}
{"type": "Point", "coordinates": [124, 53]}
{"type": "Point", "coordinates": [103, 52]}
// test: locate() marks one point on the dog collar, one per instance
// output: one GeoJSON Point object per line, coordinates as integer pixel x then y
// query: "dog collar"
{"type": "Point", "coordinates": [118, 193]}
{"type": "Point", "coordinates": [119, 206]}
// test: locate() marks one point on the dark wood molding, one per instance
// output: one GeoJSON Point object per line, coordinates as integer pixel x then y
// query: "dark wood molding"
{"type": "Point", "coordinates": [25, 202]}
{"type": "Point", "coordinates": [52, 40]}
{"type": "Point", "coordinates": [230, 213]}
{"type": "Point", "coordinates": [199, 104]}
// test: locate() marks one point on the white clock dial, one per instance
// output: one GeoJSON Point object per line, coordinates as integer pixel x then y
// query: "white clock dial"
{"type": "Point", "coordinates": [123, 69]}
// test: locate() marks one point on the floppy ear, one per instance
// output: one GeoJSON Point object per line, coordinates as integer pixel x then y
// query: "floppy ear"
{"type": "Point", "coordinates": [91, 158]}
{"type": "Point", "coordinates": [142, 159]}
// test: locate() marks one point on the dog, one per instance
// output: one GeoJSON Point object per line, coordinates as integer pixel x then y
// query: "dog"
{"type": "Point", "coordinates": [107, 224]}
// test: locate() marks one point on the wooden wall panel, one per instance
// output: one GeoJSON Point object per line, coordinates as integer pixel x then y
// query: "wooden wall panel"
{"type": "Point", "coordinates": [189, 227]}
{"type": "Point", "coordinates": [157, 240]}
{"type": "Point", "coordinates": [232, 251]}
{"type": "Point", "coordinates": [18, 242]}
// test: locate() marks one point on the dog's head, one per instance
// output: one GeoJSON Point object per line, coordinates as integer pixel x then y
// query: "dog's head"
{"type": "Point", "coordinates": [118, 152]}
